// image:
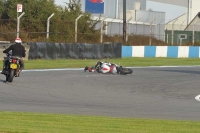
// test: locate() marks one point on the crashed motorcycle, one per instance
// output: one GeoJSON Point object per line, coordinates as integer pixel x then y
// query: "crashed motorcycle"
{"type": "Point", "coordinates": [12, 66]}
{"type": "Point", "coordinates": [113, 69]}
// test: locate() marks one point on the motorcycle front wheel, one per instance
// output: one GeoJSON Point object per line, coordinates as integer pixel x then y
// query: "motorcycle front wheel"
{"type": "Point", "coordinates": [125, 71]}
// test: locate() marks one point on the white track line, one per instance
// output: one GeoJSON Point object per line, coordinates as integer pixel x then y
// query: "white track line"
{"type": "Point", "coordinates": [67, 69]}
{"type": "Point", "coordinates": [197, 98]}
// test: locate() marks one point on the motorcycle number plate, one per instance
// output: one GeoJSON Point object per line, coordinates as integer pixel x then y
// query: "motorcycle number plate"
{"type": "Point", "coordinates": [13, 66]}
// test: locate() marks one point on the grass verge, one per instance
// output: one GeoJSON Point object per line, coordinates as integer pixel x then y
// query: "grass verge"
{"type": "Point", "coordinates": [12, 122]}
{"type": "Point", "coordinates": [126, 62]}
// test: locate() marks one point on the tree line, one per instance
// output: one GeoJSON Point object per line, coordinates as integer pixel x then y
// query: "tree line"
{"type": "Point", "coordinates": [33, 24]}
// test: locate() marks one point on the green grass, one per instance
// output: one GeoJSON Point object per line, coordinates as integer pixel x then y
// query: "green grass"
{"type": "Point", "coordinates": [127, 62]}
{"type": "Point", "coordinates": [16, 122]}
{"type": "Point", "coordinates": [12, 122]}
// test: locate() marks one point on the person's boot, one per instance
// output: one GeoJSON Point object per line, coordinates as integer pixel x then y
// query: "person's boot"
{"type": "Point", "coordinates": [86, 68]}
{"type": "Point", "coordinates": [90, 69]}
{"type": "Point", "coordinates": [18, 73]}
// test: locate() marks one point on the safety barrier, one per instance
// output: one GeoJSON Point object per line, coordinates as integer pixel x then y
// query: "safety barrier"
{"type": "Point", "coordinates": [97, 51]}
{"type": "Point", "coordinates": [42, 50]}
{"type": "Point", "coordinates": [161, 51]}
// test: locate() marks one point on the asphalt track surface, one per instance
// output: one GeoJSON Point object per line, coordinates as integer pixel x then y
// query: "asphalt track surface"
{"type": "Point", "coordinates": [152, 92]}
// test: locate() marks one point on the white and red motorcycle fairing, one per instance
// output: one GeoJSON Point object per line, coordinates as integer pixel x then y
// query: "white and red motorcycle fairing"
{"type": "Point", "coordinates": [108, 68]}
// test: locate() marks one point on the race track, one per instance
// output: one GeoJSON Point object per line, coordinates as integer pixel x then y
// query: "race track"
{"type": "Point", "coordinates": [152, 92]}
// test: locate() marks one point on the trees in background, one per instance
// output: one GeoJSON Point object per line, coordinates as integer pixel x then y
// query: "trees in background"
{"type": "Point", "coordinates": [34, 23]}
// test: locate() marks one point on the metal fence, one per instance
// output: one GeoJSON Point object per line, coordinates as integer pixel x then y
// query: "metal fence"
{"type": "Point", "coordinates": [182, 34]}
{"type": "Point", "coordinates": [110, 30]}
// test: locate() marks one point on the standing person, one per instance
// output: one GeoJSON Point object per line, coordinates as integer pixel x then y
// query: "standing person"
{"type": "Point", "coordinates": [18, 51]}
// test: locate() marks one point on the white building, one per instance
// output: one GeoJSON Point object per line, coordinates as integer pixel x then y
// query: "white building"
{"type": "Point", "coordinates": [138, 18]}
{"type": "Point", "coordinates": [181, 22]}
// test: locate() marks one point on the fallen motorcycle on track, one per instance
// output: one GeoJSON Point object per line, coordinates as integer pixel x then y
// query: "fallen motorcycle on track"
{"type": "Point", "coordinates": [109, 68]}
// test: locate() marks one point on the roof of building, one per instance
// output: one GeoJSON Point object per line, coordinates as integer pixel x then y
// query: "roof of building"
{"type": "Point", "coordinates": [175, 18]}
{"type": "Point", "coordinates": [114, 20]}
{"type": "Point", "coordinates": [194, 25]}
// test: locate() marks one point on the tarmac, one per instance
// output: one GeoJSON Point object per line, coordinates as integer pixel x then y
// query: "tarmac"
{"type": "Point", "coordinates": [149, 92]}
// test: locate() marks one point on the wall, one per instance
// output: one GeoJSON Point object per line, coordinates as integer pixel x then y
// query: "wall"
{"type": "Point", "coordinates": [161, 51]}
{"type": "Point", "coordinates": [42, 50]}
{"type": "Point", "coordinates": [145, 51]}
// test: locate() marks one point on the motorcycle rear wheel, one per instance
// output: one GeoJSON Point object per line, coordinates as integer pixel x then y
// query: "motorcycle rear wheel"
{"type": "Point", "coordinates": [125, 71]}
{"type": "Point", "coordinates": [11, 75]}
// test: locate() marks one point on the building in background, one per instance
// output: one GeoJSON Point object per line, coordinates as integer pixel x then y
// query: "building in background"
{"type": "Point", "coordinates": [139, 20]}
{"type": "Point", "coordinates": [181, 22]}
{"type": "Point", "coordinates": [184, 28]}
{"type": "Point", "coordinates": [146, 22]}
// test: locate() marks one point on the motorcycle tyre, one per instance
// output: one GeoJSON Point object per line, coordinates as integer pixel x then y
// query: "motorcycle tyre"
{"type": "Point", "coordinates": [11, 75]}
{"type": "Point", "coordinates": [124, 71]}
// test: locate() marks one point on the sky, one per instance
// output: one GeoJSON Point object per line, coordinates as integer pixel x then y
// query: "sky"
{"type": "Point", "coordinates": [171, 11]}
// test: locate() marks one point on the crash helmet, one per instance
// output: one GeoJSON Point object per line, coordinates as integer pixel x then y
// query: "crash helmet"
{"type": "Point", "coordinates": [18, 40]}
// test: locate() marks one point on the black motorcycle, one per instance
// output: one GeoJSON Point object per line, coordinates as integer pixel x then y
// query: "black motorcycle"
{"type": "Point", "coordinates": [12, 66]}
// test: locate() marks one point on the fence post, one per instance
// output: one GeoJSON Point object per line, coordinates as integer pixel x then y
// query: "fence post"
{"type": "Point", "coordinates": [119, 26]}
{"type": "Point", "coordinates": [173, 32]}
{"type": "Point", "coordinates": [101, 39]}
{"type": "Point", "coordinates": [193, 35]}
{"type": "Point", "coordinates": [48, 24]}
{"type": "Point", "coordinates": [151, 31]}
{"type": "Point", "coordinates": [128, 28]}
{"type": "Point", "coordinates": [181, 25]}
{"type": "Point", "coordinates": [76, 26]}
{"type": "Point", "coordinates": [18, 23]}
{"type": "Point", "coordinates": [111, 25]}
{"type": "Point", "coordinates": [167, 38]}
{"type": "Point", "coordinates": [193, 32]}
{"type": "Point", "coordinates": [136, 25]}
{"type": "Point", "coordinates": [159, 28]}
{"type": "Point", "coordinates": [143, 26]}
